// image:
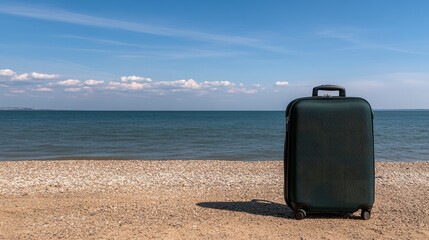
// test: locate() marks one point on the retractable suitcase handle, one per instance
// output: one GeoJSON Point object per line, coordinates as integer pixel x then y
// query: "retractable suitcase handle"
{"type": "Point", "coordinates": [329, 88]}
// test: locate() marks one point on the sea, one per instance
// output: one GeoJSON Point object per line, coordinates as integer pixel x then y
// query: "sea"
{"type": "Point", "coordinates": [186, 135]}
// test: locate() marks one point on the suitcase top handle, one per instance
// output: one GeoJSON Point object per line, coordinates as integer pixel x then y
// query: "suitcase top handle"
{"type": "Point", "coordinates": [330, 88]}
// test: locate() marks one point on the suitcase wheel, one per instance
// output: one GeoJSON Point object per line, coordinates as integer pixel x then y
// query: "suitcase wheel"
{"type": "Point", "coordinates": [365, 214]}
{"type": "Point", "coordinates": [300, 214]}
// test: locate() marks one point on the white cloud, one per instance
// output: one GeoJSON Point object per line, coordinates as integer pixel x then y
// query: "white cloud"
{"type": "Point", "coordinates": [135, 78]}
{"type": "Point", "coordinates": [6, 73]}
{"type": "Point", "coordinates": [218, 83]}
{"type": "Point", "coordinates": [13, 76]}
{"type": "Point", "coordinates": [190, 84]}
{"type": "Point", "coordinates": [281, 84]}
{"type": "Point", "coordinates": [187, 84]}
{"type": "Point", "coordinates": [20, 77]}
{"type": "Point", "coordinates": [36, 75]}
{"type": "Point", "coordinates": [242, 90]}
{"type": "Point", "coordinates": [92, 82]}
{"type": "Point", "coordinates": [72, 89]}
{"type": "Point", "coordinates": [43, 89]}
{"type": "Point", "coordinates": [69, 82]}
{"type": "Point", "coordinates": [127, 86]}
{"type": "Point", "coordinates": [131, 83]}
{"type": "Point", "coordinates": [183, 85]}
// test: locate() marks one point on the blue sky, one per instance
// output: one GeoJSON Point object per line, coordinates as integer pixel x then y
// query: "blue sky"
{"type": "Point", "coordinates": [210, 55]}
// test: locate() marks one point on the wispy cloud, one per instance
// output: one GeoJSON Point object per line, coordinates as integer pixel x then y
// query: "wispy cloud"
{"type": "Point", "coordinates": [60, 15]}
{"type": "Point", "coordinates": [353, 37]}
{"type": "Point", "coordinates": [17, 91]}
{"type": "Point", "coordinates": [110, 42]}
{"type": "Point", "coordinates": [183, 54]}
{"type": "Point", "coordinates": [144, 51]}
{"type": "Point", "coordinates": [165, 52]}
{"type": "Point", "coordinates": [392, 90]}
{"type": "Point", "coordinates": [398, 79]}
{"type": "Point", "coordinates": [43, 89]}
{"type": "Point", "coordinates": [242, 90]}
{"type": "Point", "coordinates": [72, 89]}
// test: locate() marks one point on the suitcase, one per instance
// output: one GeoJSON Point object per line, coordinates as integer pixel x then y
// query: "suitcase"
{"type": "Point", "coordinates": [329, 154]}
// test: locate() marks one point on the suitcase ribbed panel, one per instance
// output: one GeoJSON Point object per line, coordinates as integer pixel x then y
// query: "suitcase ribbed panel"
{"type": "Point", "coordinates": [331, 154]}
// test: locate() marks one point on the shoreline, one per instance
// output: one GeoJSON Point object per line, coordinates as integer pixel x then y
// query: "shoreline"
{"type": "Point", "coordinates": [193, 199]}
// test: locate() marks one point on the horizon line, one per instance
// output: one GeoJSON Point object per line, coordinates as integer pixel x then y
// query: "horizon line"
{"type": "Point", "coordinates": [182, 110]}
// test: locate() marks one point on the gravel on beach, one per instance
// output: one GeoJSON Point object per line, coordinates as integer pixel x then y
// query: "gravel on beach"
{"type": "Point", "coordinates": [132, 199]}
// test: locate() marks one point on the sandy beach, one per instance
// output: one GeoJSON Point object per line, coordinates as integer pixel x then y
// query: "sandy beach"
{"type": "Point", "coordinates": [193, 200]}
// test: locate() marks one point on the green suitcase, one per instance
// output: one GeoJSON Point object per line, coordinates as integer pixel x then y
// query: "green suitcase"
{"type": "Point", "coordinates": [329, 154]}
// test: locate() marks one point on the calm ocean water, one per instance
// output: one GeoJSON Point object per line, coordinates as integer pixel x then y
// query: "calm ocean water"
{"type": "Point", "coordinates": [399, 135]}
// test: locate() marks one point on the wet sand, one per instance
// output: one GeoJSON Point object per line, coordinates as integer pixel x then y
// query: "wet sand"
{"type": "Point", "coordinates": [193, 200]}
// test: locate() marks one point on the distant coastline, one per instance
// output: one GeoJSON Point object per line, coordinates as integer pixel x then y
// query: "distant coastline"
{"type": "Point", "coordinates": [16, 109]}
{"type": "Point", "coordinates": [22, 109]}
